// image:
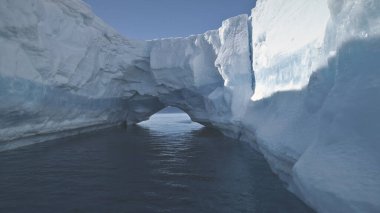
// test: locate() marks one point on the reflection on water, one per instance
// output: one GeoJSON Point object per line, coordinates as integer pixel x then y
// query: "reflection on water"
{"type": "Point", "coordinates": [167, 164]}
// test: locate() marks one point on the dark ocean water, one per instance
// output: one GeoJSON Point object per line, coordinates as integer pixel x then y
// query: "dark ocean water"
{"type": "Point", "coordinates": [167, 164]}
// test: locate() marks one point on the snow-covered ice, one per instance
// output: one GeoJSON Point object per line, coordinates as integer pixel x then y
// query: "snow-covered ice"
{"type": "Point", "coordinates": [287, 39]}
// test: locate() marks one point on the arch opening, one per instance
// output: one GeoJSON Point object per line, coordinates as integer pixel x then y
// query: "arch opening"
{"type": "Point", "coordinates": [170, 119]}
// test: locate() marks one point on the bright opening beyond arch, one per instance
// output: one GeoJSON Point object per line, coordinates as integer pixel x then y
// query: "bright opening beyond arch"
{"type": "Point", "coordinates": [169, 120]}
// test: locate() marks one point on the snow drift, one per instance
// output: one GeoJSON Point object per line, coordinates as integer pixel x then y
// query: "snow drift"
{"type": "Point", "coordinates": [299, 80]}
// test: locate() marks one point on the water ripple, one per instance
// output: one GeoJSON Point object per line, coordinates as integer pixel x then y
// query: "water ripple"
{"type": "Point", "coordinates": [167, 164]}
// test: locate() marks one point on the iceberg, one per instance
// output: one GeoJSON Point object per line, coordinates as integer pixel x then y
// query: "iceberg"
{"type": "Point", "coordinates": [298, 80]}
{"type": "Point", "coordinates": [64, 71]}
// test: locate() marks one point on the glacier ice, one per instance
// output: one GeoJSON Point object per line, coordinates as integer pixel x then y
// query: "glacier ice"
{"type": "Point", "coordinates": [287, 40]}
{"type": "Point", "coordinates": [299, 80]}
{"type": "Point", "coordinates": [63, 69]}
{"type": "Point", "coordinates": [316, 105]}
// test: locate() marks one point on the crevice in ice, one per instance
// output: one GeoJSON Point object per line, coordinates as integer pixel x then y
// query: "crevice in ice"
{"type": "Point", "coordinates": [250, 34]}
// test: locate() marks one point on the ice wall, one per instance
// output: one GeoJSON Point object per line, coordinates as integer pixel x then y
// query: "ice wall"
{"type": "Point", "coordinates": [62, 68]}
{"type": "Point", "coordinates": [316, 102]}
{"type": "Point", "coordinates": [287, 41]}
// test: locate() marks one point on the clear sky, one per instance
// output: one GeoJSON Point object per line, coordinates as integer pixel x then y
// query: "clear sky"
{"type": "Point", "coordinates": [149, 19]}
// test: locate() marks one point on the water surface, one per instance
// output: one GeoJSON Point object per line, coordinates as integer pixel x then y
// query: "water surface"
{"type": "Point", "coordinates": [167, 164]}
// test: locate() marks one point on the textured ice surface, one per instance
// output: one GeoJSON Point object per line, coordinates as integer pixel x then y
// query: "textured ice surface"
{"type": "Point", "coordinates": [314, 111]}
{"type": "Point", "coordinates": [287, 39]}
{"type": "Point", "coordinates": [316, 108]}
{"type": "Point", "coordinates": [62, 68]}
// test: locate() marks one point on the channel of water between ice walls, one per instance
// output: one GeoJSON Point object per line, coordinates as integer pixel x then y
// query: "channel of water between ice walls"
{"type": "Point", "coordinates": [313, 113]}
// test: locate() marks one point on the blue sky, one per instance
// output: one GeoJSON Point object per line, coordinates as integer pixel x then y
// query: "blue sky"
{"type": "Point", "coordinates": [148, 19]}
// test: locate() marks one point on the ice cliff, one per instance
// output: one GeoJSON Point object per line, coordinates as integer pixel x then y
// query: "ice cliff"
{"type": "Point", "coordinates": [317, 99]}
{"type": "Point", "coordinates": [299, 80]}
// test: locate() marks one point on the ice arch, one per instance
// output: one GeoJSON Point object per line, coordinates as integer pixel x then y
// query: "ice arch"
{"type": "Point", "coordinates": [64, 71]}
{"type": "Point", "coordinates": [208, 76]}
